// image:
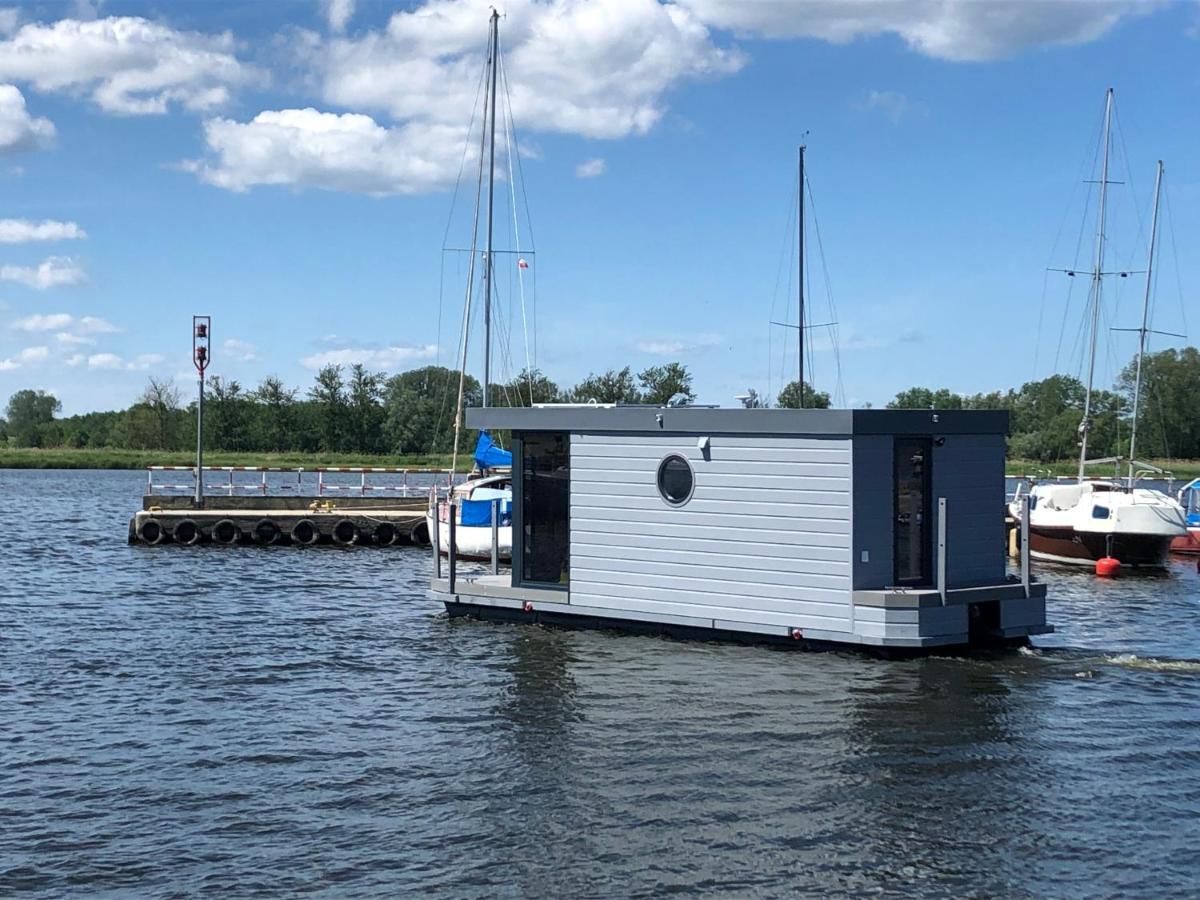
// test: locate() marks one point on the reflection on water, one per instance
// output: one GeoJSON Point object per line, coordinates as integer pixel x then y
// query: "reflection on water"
{"type": "Point", "coordinates": [283, 720]}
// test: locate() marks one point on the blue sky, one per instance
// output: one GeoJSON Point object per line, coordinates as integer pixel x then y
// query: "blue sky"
{"type": "Point", "coordinates": [288, 168]}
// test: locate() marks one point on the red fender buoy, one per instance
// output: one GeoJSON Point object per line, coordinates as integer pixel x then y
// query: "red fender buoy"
{"type": "Point", "coordinates": [1108, 567]}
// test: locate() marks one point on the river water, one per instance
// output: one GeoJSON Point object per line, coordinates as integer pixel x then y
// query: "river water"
{"type": "Point", "coordinates": [211, 720]}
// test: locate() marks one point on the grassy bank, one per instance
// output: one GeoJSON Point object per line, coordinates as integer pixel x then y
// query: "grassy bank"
{"type": "Point", "coordinates": [68, 458]}
{"type": "Point", "coordinates": [1181, 469]}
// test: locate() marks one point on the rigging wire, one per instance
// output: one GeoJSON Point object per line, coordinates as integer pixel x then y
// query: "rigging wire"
{"type": "Point", "coordinates": [832, 327]}
{"type": "Point", "coordinates": [787, 257]}
{"type": "Point", "coordinates": [510, 150]}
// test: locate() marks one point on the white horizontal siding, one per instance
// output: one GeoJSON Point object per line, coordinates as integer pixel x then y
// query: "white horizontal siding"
{"type": "Point", "coordinates": [764, 539]}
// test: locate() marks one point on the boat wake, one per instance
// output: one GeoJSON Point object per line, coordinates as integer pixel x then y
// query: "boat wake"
{"type": "Point", "coordinates": [1079, 656]}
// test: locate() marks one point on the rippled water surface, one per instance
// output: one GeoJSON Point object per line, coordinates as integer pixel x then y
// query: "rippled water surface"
{"type": "Point", "coordinates": [189, 720]}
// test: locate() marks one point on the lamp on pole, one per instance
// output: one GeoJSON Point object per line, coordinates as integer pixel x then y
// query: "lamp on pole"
{"type": "Point", "coordinates": [201, 342]}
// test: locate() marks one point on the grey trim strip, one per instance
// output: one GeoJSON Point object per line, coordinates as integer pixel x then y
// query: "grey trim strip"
{"type": "Point", "coordinates": [701, 420]}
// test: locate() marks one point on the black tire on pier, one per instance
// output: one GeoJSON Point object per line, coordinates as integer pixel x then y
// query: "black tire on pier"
{"type": "Point", "coordinates": [345, 533]}
{"type": "Point", "coordinates": [419, 534]}
{"type": "Point", "coordinates": [266, 532]}
{"type": "Point", "coordinates": [226, 532]}
{"type": "Point", "coordinates": [151, 532]}
{"type": "Point", "coordinates": [385, 534]}
{"type": "Point", "coordinates": [186, 532]}
{"type": "Point", "coordinates": [305, 533]}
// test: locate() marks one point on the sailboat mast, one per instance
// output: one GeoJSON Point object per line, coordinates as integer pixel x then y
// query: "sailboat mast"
{"type": "Point", "coordinates": [1137, 382]}
{"type": "Point", "coordinates": [1097, 278]}
{"type": "Point", "coordinates": [800, 317]}
{"type": "Point", "coordinates": [487, 259]}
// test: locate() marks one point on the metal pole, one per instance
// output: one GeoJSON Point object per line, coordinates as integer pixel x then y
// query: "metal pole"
{"type": "Point", "coordinates": [1097, 278]}
{"type": "Point", "coordinates": [1137, 384]}
{"type": "Point", "coordinates": [437, 538]}
{"type": "Point", "coordinates": [1026, 575]}
{"type": "Point", "coordinates": [800, 319]}
{"type": "Point", "coordinates": [495, 537]}
{"type": "Point", "coordinates": [487, 259]}
{"type": "Point", "coordinates": [452, 549]}
{"type": "Point", "coordinates": [200, 444]}
{"type": "Point", "coordinates": [941, 539]}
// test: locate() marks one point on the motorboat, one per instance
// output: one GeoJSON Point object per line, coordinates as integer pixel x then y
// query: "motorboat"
{"type": "Point", "coordinates": [1082, 522]}
{"type": "Point", "coordinates": [1189, 500]}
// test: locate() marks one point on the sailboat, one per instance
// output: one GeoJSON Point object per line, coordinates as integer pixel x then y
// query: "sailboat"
{"type": "Point", "coordinates": [1093, 518]}
{"type": "Point", "coordinates": [482, 505]}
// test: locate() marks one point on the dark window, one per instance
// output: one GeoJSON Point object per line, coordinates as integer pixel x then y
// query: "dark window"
{"type": "Point", "coordinates": [1099, 512]}
{"type": "Point", "coordinates": [545, 495]}
{"type": "Point", "coordinates": [675, 480]}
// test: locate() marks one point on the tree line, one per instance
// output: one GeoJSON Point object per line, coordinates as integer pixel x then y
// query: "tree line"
{"type": "Point", "coordinates": [1045, 415]}
{"type": "Point", "coordinates": [356, 411]}
{"type": "Point", "coordinates": [344, 410]}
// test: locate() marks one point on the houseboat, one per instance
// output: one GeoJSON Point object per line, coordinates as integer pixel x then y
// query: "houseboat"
{"type": "Point", "coordinates": [869, 528]}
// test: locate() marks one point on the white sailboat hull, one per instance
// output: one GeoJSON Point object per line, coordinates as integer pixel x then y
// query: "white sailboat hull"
{"type": "Point", "coordinates": [1077, 524]}
{"type": "Point", "coordinates": [472, 541]}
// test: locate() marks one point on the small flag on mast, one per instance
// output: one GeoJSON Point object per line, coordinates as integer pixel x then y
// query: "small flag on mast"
{"type": "Point", "coordinates": [521, 264]}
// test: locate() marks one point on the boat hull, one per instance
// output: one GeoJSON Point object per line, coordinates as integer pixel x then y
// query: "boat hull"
{"type": "Point", "coordinates": [1189, 543]}
{"type": "Point", "coordinates": [1083, 548]}
{"type": "Point", "coordinates": [473, 541]}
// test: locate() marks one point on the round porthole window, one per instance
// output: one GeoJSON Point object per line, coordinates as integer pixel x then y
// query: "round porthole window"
{"type": "Point", "coordinates": [675, 480]}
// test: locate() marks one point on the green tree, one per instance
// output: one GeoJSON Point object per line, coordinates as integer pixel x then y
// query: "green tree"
{"type": "Point", "coordinates": [227, 415]}
{"type": "Point", "coordinates": [1167, 421]}
{"type": "Point", "coordinates": [614, 386]}
{"type": "Point", "coordinates": [27, 412]}
{"type": "Point", "coordinates": [419, 410]}
{"type": "Point", "coordinates": [526, 389]}
{"type": "Point", "coordinates": [659, 384]}
{"type": "Point", "coordinates": [161, 397]}
{"type": "Point", "coordinates": [329, 394]}
{"type": "Point", "coordinates": [924, 398]}
{"type": "Point", "coordinates": [365, 414]}
{"type": "Point", "coordinates": [789, 397]}
{"type": "Point", "coordinates": [273, 421]}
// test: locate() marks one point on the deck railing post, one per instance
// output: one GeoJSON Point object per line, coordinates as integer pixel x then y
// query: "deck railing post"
{"type": "Point", "coordinates": [941, 549]}
{"type": "Point", "coordinates": [1026, 574]}
{"type": "Point", "coordinates": [495, 537]}
{"type": "Point", "coordinates": [452, 548]}
{"type": "Point", "coordinates": [437, 538]}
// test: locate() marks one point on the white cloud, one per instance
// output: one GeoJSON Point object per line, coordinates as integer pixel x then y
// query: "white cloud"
{"type": "Point", "coordinates": [591, 168]}
{"type": "Point", "coordinates": [96, 325]}
{"type": "Point", "coordinates": [55, 271]}
{"type": "Point", "coordinates": [599, 69]}
{"type": "Point", "coordinates": [347, 152]}
{"type": "Point", "coordinates": [337, 13]}
{"type": "Point", "coordinates": [892, 104]}
{"type": "Point", "coordinates": [660, 348]}
{"type": "Point", "coordinates": [128, 65]}
{"type": "Point", "coordinates": [18, 129]}
{"type": "Point", "coordinates": [20, 231]}
{"type": "Point", "coordinates": [113, 362]}
{"type": "Point", "coordinates": [105, 361]}
{"type": "Point", "coordinates": [386, 358]}
{"type": "Point", "coordinates": [675, 347]}
{"type": "Point", "coordinates": [956, 30]}
{"type": "Point", "coordinates": [67, 339]}
{"type": "Point", "coordinates": [240, 351]}
{"type": "Point", "coordinates": [49, 322]}
{"type": "Point", "coordinates": [25, 357]}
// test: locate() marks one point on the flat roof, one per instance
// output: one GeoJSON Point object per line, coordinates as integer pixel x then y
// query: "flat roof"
{"type": "Point", "coordinates": [707, 420]}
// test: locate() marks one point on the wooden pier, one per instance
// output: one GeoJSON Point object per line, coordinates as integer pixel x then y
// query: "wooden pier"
{"type": "Point", "coordinates": [263, 514]}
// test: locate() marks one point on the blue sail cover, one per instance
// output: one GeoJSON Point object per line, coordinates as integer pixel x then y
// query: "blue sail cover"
{"type": "Point", "coordinates": [488, 455]}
